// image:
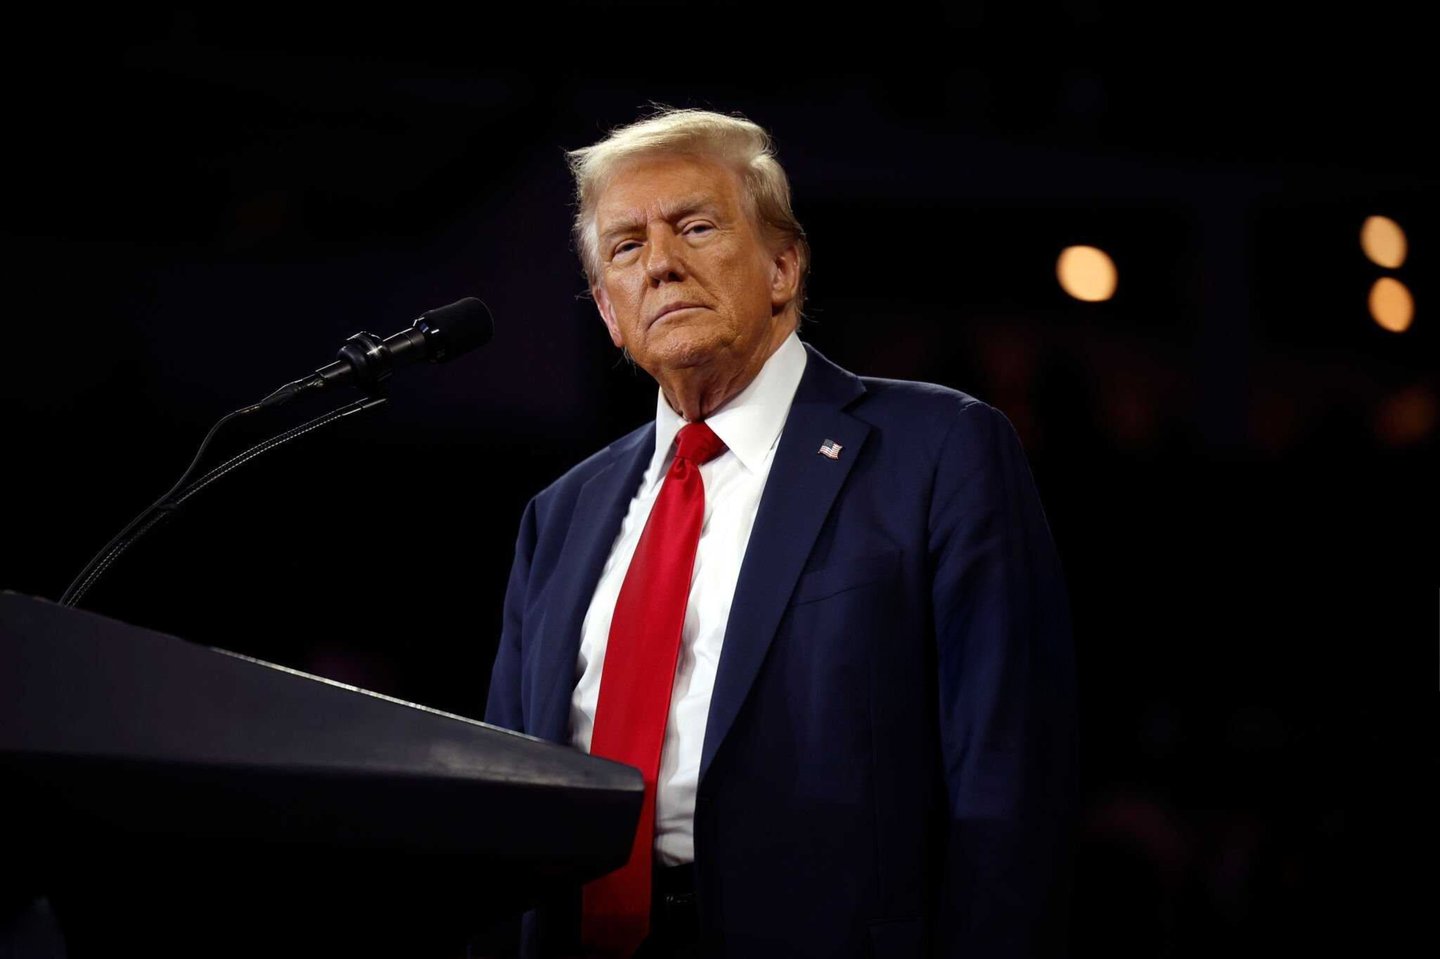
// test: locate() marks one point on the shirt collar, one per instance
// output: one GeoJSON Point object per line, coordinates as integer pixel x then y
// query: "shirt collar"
{"type": "Point", "coordinates": [750, 423]}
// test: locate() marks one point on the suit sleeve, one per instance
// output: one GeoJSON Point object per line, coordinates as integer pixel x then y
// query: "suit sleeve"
{"type": "Point", "coordinates": [1007, 699]}
{"type": "Point", "coordinates": [505, 705]}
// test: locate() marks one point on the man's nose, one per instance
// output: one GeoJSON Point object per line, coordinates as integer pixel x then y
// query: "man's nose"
{"type": "Point", "coordinates": [664, 259]}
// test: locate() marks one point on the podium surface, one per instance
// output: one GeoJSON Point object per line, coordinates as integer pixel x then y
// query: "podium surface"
{"type": "Point", "coordinates": [162, 789]}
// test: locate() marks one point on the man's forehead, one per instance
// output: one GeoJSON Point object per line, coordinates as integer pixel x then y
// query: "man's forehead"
{"type": "Point", "coordinates": [665, 187]}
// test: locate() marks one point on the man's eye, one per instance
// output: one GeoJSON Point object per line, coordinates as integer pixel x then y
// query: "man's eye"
{"type": "Point", "coordinates": [625, 247]}
{"type": "Point", "coordinates": [699, 228]}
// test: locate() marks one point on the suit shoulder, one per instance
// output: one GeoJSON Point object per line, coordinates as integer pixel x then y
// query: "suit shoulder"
{"type": "Point", "coordinates": [917, 394]}
{"type": "Point", "coordinates": [568, 485]}
{"type": "Point", "coordinates": [915, 403]}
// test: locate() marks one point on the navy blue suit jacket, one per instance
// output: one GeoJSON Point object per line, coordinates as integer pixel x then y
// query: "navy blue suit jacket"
{"type": "Point", "coordinates": [889, 765]}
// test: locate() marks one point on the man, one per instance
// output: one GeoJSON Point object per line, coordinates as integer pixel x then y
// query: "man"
{"type": "Point", "coordinates": [861, 741]}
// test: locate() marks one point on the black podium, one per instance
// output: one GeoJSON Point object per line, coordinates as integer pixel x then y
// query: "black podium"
{"type": "Point", "coordinates": [167, 798]}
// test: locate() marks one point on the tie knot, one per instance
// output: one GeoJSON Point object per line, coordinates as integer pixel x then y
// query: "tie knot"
{"type": "Point", "coordinates": [698, 443]}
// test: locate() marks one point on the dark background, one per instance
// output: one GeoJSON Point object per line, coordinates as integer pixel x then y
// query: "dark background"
{"type": "Point", "coordinates": [1237, 463]}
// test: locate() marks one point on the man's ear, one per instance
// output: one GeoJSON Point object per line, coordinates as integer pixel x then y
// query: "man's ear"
{"type": "Point", "coordinates": [607, 313]}
{"type": "Point", "coordinates": [784, 276]}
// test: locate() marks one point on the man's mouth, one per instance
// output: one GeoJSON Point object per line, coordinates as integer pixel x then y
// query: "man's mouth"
{"type": "Point", "coordinates": [675, 308]}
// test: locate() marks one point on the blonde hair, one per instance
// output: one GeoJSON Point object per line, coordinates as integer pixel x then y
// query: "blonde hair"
{"type": "Point", "coordinates": [743, 145]}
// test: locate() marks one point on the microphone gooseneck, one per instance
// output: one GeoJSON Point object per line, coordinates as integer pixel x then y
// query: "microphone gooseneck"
{"type": "Point", "coordinates": [365, 360]}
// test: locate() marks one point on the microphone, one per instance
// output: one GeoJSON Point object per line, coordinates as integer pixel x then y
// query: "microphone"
{"type": "Point", "coordinates": [367, 361]}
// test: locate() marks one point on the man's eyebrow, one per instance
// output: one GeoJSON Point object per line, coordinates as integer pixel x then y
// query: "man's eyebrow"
{"type": "Point", "coordinates": [678, 210]}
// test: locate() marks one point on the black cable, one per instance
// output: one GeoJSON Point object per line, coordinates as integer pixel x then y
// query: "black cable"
{"type": "Point", "coordinates": [166, 505]}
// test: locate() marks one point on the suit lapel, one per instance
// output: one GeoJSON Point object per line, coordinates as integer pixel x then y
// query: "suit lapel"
{"type": "Point", "coordinates": [599, 510]}
{"type": "Point", "coordinates": [798, 495]}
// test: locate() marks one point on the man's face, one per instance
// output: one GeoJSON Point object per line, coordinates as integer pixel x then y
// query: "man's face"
{"type": "Point", "coordinates": [674, 231]}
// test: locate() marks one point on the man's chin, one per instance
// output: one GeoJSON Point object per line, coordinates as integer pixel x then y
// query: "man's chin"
{"type": "Point", "coordinates": [682, 352]}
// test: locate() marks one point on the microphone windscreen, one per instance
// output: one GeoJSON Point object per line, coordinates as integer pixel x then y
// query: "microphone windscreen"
{"type": "Point", "coordinates": [461, 326]}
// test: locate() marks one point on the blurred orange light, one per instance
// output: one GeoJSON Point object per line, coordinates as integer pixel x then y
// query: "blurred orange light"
{"type": "Point", "coordinates": [1086, 273]}
{"type": "Point", "coordinates": [1383, 241]}
{"type": "Point", "coordinates": [1391, 304]}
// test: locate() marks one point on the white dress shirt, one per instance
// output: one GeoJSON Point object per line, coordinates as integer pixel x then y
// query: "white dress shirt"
{"type": "Point", "coordinates": [749, 425]}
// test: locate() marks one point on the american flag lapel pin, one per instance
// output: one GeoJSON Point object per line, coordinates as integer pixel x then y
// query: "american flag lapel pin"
{"type": "Point", "coordinates": [831, 449]}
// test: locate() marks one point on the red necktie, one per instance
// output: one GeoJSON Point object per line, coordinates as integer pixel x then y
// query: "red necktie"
{"type": "Point", "coordinates": [635, 683]}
